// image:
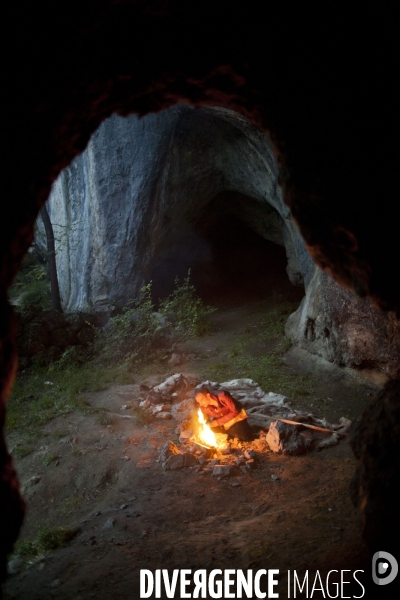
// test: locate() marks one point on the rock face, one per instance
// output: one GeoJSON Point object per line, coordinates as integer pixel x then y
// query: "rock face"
{"type": "Point", "coordinates": [141, 184]}
{"type": "Point", "coordinates": [333, 323]}
{"type": "Point", "coordinates": [136, 193]}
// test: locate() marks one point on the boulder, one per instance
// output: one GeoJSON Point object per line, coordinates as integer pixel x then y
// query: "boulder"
{"type": "Point", "coordinates": [286, 439]}
{"type": "Point", "coordinates": [342, 328]}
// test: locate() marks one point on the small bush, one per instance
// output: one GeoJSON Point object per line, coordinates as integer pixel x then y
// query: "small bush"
{"type": "Point", "coordinates": [31, 287]}
{"type": "Point", "coordinates": [185, 312]}
{"type": "Point", "coordinates": [139, 333]}
{"type": "Point", "coordinates": [133, 332]}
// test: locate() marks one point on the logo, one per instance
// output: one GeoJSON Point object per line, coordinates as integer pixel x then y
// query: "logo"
{"type": "Point", "coordinates": [384, 568]}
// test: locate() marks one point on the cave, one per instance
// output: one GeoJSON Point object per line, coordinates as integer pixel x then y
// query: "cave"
{"type": "Point", "coordinates": [230, 263]}
{"type": "Point", "coordinates": [323, 119]}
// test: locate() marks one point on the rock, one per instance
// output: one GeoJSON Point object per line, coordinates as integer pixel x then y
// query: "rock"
{"type": "Point", "coordinates": [175, 360]}
{"type": "Point", "coordinates": [286, 439]}
{"type": "Point", "coordinates": [55, 583]}
{"type": "Point", "coordinates": [15, 565]}
{"type": "Point", "coordinates": [111, 261]}
{"type": "Point", "coordinates": [202, 450]}
{"type": "Point", "coordinates": [226, 450]}
{"type": "Point", "coordinates": [250, 464]}
{"type": "Point", "coordinates": [180, 461]}
{"type": "Point", "coordinates": [342, 328]}
{"type": "Point", "coordinates": [170, 385]}
{"type": "Point", "coordinates": [240, 461]}
{"type": "Point", "coordinates": [184, 410]}
{"type": "Point", "coordinates": [145, 403]}
{"type": "Point", "coordinates": [275, 477]}
{"type": "Point", "coordinates": [109, 524]}
{"type": "Point", "coordinates": [185, 435]}
{"type": "Point", "coordinates": [222, 470]}
{"type": "Point", "coordinates": [163, 415]}
{"type": "Point", "coordinates": [169, 449]}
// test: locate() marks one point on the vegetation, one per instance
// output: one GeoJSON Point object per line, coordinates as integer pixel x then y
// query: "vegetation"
{"type": "Point", "coordinates": [249, 357]}
{"type": "Point", "coordinates": [34, 401]}
{"type": "Point", "coordinates": [185, 312]}
{"type": "Point", "coordinates": [31, 286]}
{"type": "Point", "coordinates": [140, 333]}
{"type": "Point", "coordinates": [135, 337]}
{"type": "Point", "coordinates": [48, 538]}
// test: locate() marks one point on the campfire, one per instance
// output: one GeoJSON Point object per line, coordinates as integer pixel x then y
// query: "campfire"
{"type": "Point", "coordinates": [205, 436]}
{"type": "Point", "coordinates": [281, 429]}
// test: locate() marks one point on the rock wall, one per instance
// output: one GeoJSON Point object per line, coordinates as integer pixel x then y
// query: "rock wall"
{"type": "Point", "coordinates": [140, 185]}
{"type": "Point", "coordinates": [135, 194]}
{"type": "Point", "coordinates": [337, 325]}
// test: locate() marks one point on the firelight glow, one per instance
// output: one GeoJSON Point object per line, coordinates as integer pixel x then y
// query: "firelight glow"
{"type": "Point", "coordinates": [205, 434]}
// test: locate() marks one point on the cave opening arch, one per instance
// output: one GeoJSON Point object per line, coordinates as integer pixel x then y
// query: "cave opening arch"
{"type": "Point", "coordinates": [317, 91]}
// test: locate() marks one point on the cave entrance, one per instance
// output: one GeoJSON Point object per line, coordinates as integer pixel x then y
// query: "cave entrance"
{"type": "Point", "coordinates": [230, 263]}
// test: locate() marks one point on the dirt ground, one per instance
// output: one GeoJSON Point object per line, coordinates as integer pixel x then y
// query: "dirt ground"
{"type": "Point", "coordinates": [129, 514]}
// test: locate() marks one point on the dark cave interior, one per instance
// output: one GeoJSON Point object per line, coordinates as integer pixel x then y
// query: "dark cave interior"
{"type": "Point", "coordinates": [230, 264]}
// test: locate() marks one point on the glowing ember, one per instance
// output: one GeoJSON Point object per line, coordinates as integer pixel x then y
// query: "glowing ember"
{"type": "Point", "coordinates": [205, 434]}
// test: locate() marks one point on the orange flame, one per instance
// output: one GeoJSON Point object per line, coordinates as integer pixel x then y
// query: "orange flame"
{"type": "Point", "coordinates": [205, 434]}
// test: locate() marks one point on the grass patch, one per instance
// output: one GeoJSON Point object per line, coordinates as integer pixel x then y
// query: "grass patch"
{"type": "Point", "coordinates": [48, 538]}
{"type": "Point", "coordinates": [51, 458]}
{"type": "Point", "coordinates": [136, 337]}
{"type": "Point", "coordinates": [266, 368]}
{"type": "Point", "coordinates": [22, 450]}
{"type": "Point", "coordinates": [33, 402]}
